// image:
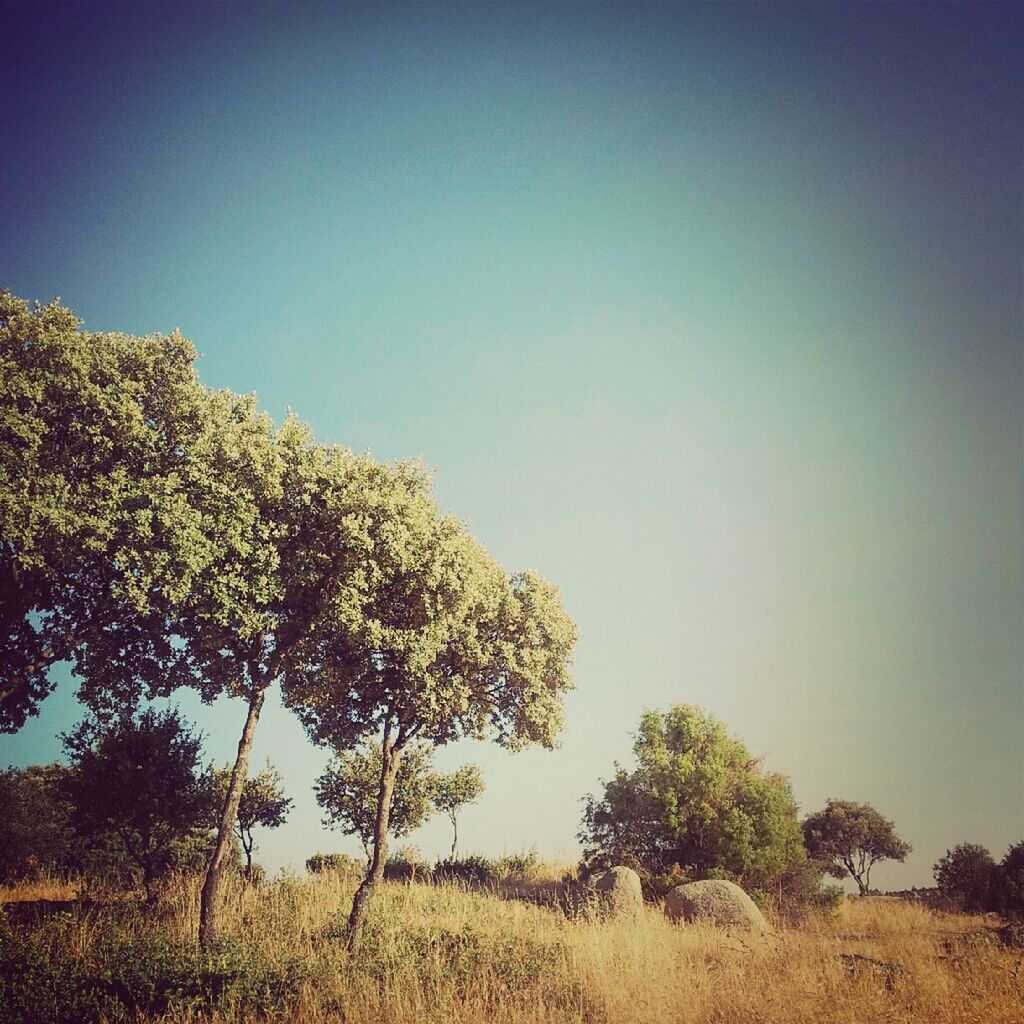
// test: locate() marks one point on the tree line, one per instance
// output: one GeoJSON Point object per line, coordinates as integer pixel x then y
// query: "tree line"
{"type": "Point", "coordinates": [698, 804]}
{"type": "Point", "coordinates": [135, 802]}
{"type": "Point", "coordinates": [160, 534]}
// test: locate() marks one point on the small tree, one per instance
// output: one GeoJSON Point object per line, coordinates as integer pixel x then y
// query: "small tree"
{"type": "Point", "coordinates": [964, 876]}
{"type": "Point", "coordinates": [455, 790]}
{"type": "Point", "coordinates": [697, 800]}
{"type": "Point", "coordinates": [847, 837]}
{"type": "Point", "coordinates": [262, 803]}
{"type": "Point", "coordinates": [348, 791]}
{"type": "Point", "coordinates": [140, 783]}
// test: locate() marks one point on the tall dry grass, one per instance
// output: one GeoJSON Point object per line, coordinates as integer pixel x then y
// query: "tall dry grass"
{"type": "Point", "coordinates": [447, 954]}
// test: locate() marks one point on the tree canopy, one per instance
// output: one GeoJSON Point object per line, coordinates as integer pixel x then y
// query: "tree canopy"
{"type": "Point", "coordinates": [36, 830]}
{"type": "Point", "coordinates": [698, 799]}
{"type": "Point", "coordinates": [160, 534]}
{"type": "Point", "coordinates": [848, 837]}
{"type": "Point", "coordinates": [98, 436]}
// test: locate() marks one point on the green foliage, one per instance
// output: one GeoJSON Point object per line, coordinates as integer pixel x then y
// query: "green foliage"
{"type": "Point", "coordinates": [799, 891]}
{"type": "Point", "coordinates": [455, 790]}
{"type": "Point", "coordinates": [125, 977]}
{"type": "Point", "coordinates": [472, 870]}
{"type": "Point", "coordinates": [964, 876]}
{"type": "Point", "coordinates": [850, 837]}
{"type": "Point", "coordinates": [138, 783]}
{"type": "Point", "coordinates": [348, 791]}
{"type": "Point", "coordinates": [115, 504]}
{"type": "Point", "coordinates": [521, 866]}
{"type": "Point", "coordinates": [697, 800]}
{"type": "Point", "coordinates": [1007, 894]}
{"type": "Point", "coordinates": [36, 830]}
{"type": "Point", "coordinates": [335, 863]}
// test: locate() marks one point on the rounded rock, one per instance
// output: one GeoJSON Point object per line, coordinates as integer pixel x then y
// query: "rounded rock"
{"type": "Point", "coordinates": [615, 893]}
{"type": "Point", "coordinates": [716, 902]}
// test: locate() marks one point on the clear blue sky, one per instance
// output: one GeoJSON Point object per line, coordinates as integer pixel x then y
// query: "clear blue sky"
{"type": "Point", "coordinates": [710, 314]}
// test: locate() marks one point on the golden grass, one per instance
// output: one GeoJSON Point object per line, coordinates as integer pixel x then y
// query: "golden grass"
{"type": "Point", "coordinates": [42, 888]}
{"type": "Point", "coordinates": [445, 954]}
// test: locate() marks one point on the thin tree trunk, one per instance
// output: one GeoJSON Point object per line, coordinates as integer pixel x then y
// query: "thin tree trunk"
{"type": "Point", "coordinates": [149, 883]}
{"type": "Point", "coordinates": [389, 771]}
{"type": "Point", "coordinates": [455, 835]}
{"type": "Point", "coordinates": [248, 857]}
{"type": "Point", "coordinates": [208, 903]}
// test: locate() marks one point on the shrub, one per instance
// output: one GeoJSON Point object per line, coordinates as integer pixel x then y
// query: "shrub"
{"type": "Point", "coordinates": [656, 884]}
{"type": "Point", "coordinates": [472, 870]}
{"type": "Point", "coordinates": [335, 863]}
{"type": "Point", "coordinates": [124, 978]}
{"type": "Point", "coordinates": [1007, 894]}
{"type": "Point", "coordinates": [964, 876]}
{"type": "Point", "coordinates": [404, 865]}
{"type": "Point", "coordinates": [523, 866]}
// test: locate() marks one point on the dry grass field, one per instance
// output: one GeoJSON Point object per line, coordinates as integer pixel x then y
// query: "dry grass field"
{"type": "Point", "coordinates": [445, 954]}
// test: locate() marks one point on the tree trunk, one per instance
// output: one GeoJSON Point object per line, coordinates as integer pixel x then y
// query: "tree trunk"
{"type": "Point", "coordinates": [455, 835]}
{"type": "Point", "coordinates": [149, 882]}
{"type": "Point", "coordinates": [248, 857]}
{"type": "Point", "coordinates": [208, 903]}
{"type": "Point", "coordinates": [389, 771]}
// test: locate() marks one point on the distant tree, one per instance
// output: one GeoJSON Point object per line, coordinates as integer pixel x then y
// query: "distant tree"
{"type": "Point", "coordinates": [139, 782]}
{"type": "Point", "coordinates": [964, 876]}
{"type": "Point", "coordinates": [697, 800]}
{"type": "Point", "coordinates": [349, 788]}
{"type": "Point", "coordinates": [1007, 893]}
{"type": "Point", "coordinates": [847, 837]}
{"type": "Point", "coordinates": [262, 803]}
{"type": "Point", "coordinates": [36, 830]}
{"type": "Point", "coordinates": [455, 790]}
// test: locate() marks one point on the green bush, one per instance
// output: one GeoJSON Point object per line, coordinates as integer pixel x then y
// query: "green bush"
{"type": "Point", "coordinates": [964, 876]}
{"type": "Point", "coordinates": [123, 978]}
{"type": "Point", "coordinates": [472, 870]}
{"type": "Point", "coordinates": [1007, 893]}
{"type": "Point", "coordinates": [520, 866]}
{"type": "Point", "coordinates": [335, 863]}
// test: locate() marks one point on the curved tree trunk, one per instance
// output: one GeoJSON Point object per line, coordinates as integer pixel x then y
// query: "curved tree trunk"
{"type": "Point", "coordinates": [389, 771]}
{"type": "Point", "coordinates": [208, 902]}
{"type": "Point", "coordinates": [455, 835]}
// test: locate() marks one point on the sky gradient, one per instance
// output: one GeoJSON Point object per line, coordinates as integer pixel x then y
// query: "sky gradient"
{"type": "Point", "coordinates": [712, 315]}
